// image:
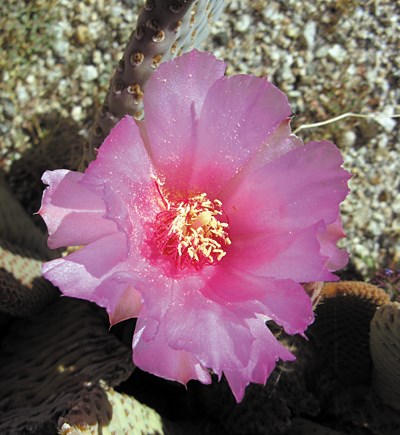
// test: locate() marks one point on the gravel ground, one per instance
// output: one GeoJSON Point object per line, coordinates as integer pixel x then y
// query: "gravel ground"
{"type": "Point", "coordinates": [330, 57]}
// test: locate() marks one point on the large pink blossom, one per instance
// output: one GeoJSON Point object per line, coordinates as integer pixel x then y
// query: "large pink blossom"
{"type": "Point", "coordinates": [202, 222]}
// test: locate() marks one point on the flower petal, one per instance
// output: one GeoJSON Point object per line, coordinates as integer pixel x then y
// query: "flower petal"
{"type": "Point", "coordinates": [119, 297]}
{"type": "Point", "coordinates": [277, 144]}
{"type": "Point", "coordinates": [156, 357]}
{"type": "Point", "coordinates": [123, 164]}
{"type": "Point", "coordinates": [212, 332]}
{"type": "Point", "coordinates": [278, 213]}
{"type": "Point", "coordinates": [125, 178]}
{"type": "Point", "coordinates": [265, 352]}
{"type": "Point", "coordinates": [292, 192]}
{"type": "Point", "coordinates": [283, 301]}
{"type": "Point", "coordinates": [172, 102]}
{"type": "Point", "coordinates": [80, 273]}
{"type": "Point", "coordinates": [74, 215]}
{"type": "Point", "coordinates": [238, 115]}
{"type": "Point", "coordinates": [295, 255]}
{"type": "Point", "coordinates": [337, 258]}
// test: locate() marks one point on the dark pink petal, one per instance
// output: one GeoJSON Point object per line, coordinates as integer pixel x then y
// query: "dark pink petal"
{"type": "Point", "coordinates": [172, 102]}
{"type": "Point", "coordinates": [238, 115]}
{"type": "Point", "coordinates": [156, 357]}
{"type": "Point", "coordinates": [265, 352]}
{"type": "Point", "coordinates": [283, 301]}
{"type": "Point", "coordinates": [74, 215]}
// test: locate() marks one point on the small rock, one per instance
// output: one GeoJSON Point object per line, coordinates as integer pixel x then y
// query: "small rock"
{"type": "Point", "coordinates": [337, 53]}
{"type": "Point", "coordinates": [76, 113]}
{"type": "Point", "coordinates": [310, 31]}
{"type": "Point", "coordinates": [368, 129]}
{"type": "Point", "coordinates": [60, 47]}
{"type": "Point", "coordinates": [97, 57]}
{"type": "Point", "coordinates": [22, 94]}
{"type": "Point", "coordinates": [89, 73]}
{"type": "Point", "coordinates": [8, 108]}
{"type": "Point", "coordinates": [322, 52]}
{"type": "Point", "coordinates": [348, 138]}
{"type": "Point", "coordinates": [4, 128]}
{"type": "Point", "coordinates": [243, 24]}
{"type": "Point", "coordinates": [386, 121]}
{"type": "Point", "coordinates": [82, 34]}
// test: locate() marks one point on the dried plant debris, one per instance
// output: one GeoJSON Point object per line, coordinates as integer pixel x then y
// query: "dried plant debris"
{"type": "Point", "coordinates": [385, 351]}
{"type": "Point", "coordinates": [164, 30]}
{"type": "Point", "coordinates": [389, 279]}
{"type": "Point", "coordinates": [340, 332]}
{"type": "Point", "coordinates": [53, 362]}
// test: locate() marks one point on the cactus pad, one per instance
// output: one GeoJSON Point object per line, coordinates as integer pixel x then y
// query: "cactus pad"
{"type": "Point", "coordinates": [385, 351]}
{"type": "Point", "coordinates": [54, 360]}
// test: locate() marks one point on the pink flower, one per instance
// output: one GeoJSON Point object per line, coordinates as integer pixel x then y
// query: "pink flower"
{"type": "Point", "coordinates": [201, 222]}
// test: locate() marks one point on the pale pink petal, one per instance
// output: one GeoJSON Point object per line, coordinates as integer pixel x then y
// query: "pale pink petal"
{"type": "Point", "coordinates": [125, 178]}
{"type": "Point", "coordinates": [87, 275]}
{"type": "Point", "coordinates": [280, 142]}
{"type": "Point", "coordinates": [265, 352]}
{"type": "Point", "coordinates": [283, 301]}
{"type": "Point", "coordinates": [156, 357]}
{"type": "Point", "coordinates": [238, 115]}
{"type": "Point", "coordinates": [74, 215]}
{"type": "Point", "coordinates": [294, 255]}
{"type": "Point", "coordinates": [277, 214]}
{"type": "Point", "coordinates": [130, 217]}
{"type": "Point", "coordinates": [123, 164]}
{"type": "Point", "coordinates": [118, 295]}
{"type": "Point", "coordinates": [172, 102]}
{"type": "Point", "coordinates": [81, 272]}
{"type": "Point", "coordinates": [292, 192]}
{"type": "Point", "coordinates": [212, 332]}
{"type": "Point", "coordinates": [337, 258]}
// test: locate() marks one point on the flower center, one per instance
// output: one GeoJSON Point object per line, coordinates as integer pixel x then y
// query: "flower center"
{"type": "Point", "coordinates": [191, 233]}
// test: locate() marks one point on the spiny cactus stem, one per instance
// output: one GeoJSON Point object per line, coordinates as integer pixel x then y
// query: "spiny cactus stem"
{"type": "Point", "coordinates": [154, 39]}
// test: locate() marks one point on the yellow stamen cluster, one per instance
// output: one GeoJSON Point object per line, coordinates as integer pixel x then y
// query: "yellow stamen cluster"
{"type": "Point", "coordinates": [199, 232]}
